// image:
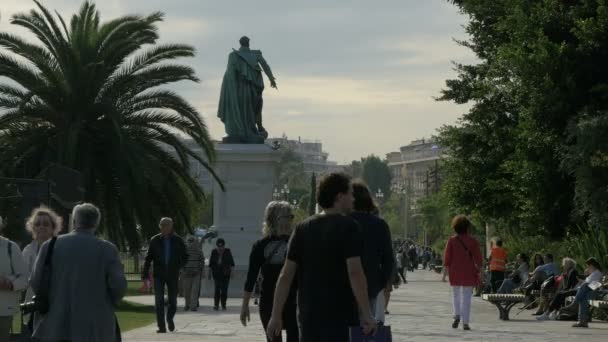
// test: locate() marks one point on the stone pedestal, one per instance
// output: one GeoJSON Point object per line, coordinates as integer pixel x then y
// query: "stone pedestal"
{"type": "Point", "coordinates": [248, 173]}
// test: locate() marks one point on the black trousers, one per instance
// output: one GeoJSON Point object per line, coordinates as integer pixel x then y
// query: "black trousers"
{"type": "Point", "coordinates": [400, 270]}
{"type": "Point", "coordinates": [159, 299]}
{"type": "Point", "coordinates": [221, 290]}
{"type": "Point", "coordinates": [290, 323]}
{"type": "Point", "coordinates": [496, 279]}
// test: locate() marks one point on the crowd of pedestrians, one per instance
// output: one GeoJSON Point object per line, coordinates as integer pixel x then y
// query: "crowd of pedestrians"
{"type": "Point", "coordinates": [322, 279]}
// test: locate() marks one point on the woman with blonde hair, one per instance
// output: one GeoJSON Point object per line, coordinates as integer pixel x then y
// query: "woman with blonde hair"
{"type": "Point", "coordinates": [267, 259]}
{"type": "Point", "coordinates": [43, 223]}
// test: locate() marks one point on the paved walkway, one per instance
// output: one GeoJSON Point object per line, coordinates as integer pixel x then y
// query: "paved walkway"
{"type": "Point", "coordinates": [420, 311]}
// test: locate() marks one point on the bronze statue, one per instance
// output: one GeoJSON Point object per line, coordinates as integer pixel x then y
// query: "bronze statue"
{"type": "Point", "coordinates": [240, 107]}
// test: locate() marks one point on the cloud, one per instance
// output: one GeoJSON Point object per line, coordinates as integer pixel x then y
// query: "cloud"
{"type": "Point", "coordinates": [358, 75]}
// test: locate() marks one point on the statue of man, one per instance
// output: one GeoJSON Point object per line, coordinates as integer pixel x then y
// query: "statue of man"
{"type": "Point", "coordinates": [240, 107]}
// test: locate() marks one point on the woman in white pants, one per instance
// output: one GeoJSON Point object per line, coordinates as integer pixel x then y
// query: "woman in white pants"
{"type": "Point", "coordinates": [462, 262]}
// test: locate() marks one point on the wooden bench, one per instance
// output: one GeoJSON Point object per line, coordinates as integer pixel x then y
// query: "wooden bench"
{"type": "Point", "coordinates": [504, 302]}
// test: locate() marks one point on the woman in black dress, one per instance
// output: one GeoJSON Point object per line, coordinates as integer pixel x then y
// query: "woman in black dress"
{"type": "Point", "coordinates": [268, 256]}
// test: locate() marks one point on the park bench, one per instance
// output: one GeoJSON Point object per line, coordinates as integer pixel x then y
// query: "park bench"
{"type": "Point", "coordinates": [600, 304]}
{"type": "Point", "coordinates": [436, 268]}
{"type": "Point", "coordinates": [504, 302]}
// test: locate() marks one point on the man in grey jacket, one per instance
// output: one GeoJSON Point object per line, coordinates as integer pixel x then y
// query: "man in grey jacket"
{"type": "Point", "coordinates": [87, 280]}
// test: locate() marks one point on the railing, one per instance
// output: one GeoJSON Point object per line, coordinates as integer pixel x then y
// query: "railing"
{"type": "Point", "coordinates": [132, 265]}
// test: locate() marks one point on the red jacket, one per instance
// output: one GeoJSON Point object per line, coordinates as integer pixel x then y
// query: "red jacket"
{"type": "Point", "coordinates": [463, 267]}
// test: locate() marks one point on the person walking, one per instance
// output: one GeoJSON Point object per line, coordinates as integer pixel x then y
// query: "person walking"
{"type": "Point", "coordinates": [43, 224]}
{"type": "Point", "coordinates": [498, 263]}
{"type": "Point", "coordinates": [377, 258]}
{"type": "Point", "coordinates": [13, 280]}
{"type": "Point", "coordinates": [221, 264]}
{"type": "Point", "coordinates": [402, 262]}
{"type": "Point", "coordinates": [462, 262]}
{"type": "Point", "coordinates": [325, 252]}
{"type": "Point", "coordinates": [413, 257]}
{"type": "Point", "coordinates": [266, 260]}
{"type": "Point", "coordinates": [83, 279]}
{"type": "Point", "coordinates": [191, 274]}
{"type": "Point", "coordinates": [167, 252]}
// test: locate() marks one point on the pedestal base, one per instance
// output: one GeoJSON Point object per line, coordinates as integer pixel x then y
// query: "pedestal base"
{"type": "Point", "coordinates": [248, 173]}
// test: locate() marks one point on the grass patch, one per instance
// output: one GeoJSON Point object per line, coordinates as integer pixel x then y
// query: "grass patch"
{"type": "Point", "coordinates": [130, 316]}
{"type": "Point", "coordinates": [133, 289]}
{"type": "Point", "coordinates": [16, 323]}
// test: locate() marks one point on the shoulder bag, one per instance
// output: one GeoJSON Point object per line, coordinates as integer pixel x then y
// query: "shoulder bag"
{"type": "Point", "coordinates": [469, 252]}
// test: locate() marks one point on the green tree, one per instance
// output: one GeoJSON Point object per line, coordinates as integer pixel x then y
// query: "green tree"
{"type": "Point", "coordinates": [355, 169]}
{"type": "Point", "coordinates": [87, 96]}
{"type": "Point", "coordinates": [391, 212]}
{"type": "Point", "coordinates": [435, 216]}
{"type": "Point", "coordinates": [540, 71]}
{"type": "Point", "coordinates": [376, 174]}
{"type": "Point", "coordinates": [312, 200]}
{"type": "Point", "coordinates": [290, 169]}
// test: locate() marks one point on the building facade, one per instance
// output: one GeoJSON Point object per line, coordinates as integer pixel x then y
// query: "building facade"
{"type": "Point", "coordinates": [313, 156]}
{"type": "Point", "coordinates": [415, 167]}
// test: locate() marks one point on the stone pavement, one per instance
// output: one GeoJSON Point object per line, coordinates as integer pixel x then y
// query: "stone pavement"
{"type": "Point", "coordinates": [420, 311]}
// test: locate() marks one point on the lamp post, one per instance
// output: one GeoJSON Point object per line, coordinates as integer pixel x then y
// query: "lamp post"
{"type": "Point", "coordinates": [379, 195]}
{"type": "Point", "coordinates": [402, 190]}
{"type": "Point", "coordinates": [285, 192]}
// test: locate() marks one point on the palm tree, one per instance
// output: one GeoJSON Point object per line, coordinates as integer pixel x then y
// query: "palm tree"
{"type": "Point", "coordinates": [87, 97]}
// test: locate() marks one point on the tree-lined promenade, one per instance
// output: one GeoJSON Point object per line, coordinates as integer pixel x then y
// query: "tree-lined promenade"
{"type": "Point", "coordinates": [528, 162]}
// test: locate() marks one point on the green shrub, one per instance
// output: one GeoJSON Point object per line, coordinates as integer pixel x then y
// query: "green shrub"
{"type": "Point", "coordinates": [590, 242]}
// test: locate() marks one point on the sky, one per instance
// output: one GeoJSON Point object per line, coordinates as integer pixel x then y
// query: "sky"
{"type": "Point", "coordinates": [358, 75]}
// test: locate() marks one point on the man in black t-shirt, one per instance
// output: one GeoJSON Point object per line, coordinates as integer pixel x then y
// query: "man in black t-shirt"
{"type": "Point", "coordinates": [325, 252]}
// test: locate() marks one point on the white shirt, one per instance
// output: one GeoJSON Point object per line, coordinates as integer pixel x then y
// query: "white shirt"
{"type": "Point", "coordinates": [17, 274]}
{"type": "Point", "coordinates": [595, 276]}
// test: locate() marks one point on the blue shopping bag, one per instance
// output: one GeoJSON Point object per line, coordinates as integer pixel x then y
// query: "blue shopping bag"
{"type": "Point", "coordinates": [383, 334]}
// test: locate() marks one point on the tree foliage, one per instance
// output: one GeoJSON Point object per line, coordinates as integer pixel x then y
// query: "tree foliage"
{"type": "Point", "coordinates": [88, 95]}
{"type": "Point", "coordinates": [291, 173]}
{"type": "Point", "coordinates": [312, 198]}
{"type": "Point", "coordinates": [376, 174]}
{"type": "Point", "coordinates": [539, 86]}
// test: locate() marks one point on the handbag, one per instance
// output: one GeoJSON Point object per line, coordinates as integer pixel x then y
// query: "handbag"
{"type": "Point", "coordinates": [383, 334]}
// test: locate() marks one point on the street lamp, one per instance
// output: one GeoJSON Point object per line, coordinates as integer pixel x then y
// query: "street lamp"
{"type": "Point", "coordinates": [285, 191]}
{"type": "Point", "coordinates": [275, 194]}
{"type": "Point", "coordinates": [401, 189]}
{"type": "Point", "coordinates": [379, 195]}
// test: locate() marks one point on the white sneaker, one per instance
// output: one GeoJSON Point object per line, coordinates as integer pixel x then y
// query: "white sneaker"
{"type": "Point", "coordinates": [543, 317]}
{"type": "Point", "coordinates": [553, 315]}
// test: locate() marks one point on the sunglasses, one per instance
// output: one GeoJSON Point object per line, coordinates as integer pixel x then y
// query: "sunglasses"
{"type": "Point", "coordinates": [288, 216]}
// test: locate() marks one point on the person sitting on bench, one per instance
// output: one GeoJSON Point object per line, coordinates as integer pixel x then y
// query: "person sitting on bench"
{"type": "Point", "coordinates": [518, 277]}
{"type": "Point", "coordinates": [539, 275]}
{"type": "Point", "coordinates": [566, 286]}
{"type": "Point", "coordinates": [584, 292]}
